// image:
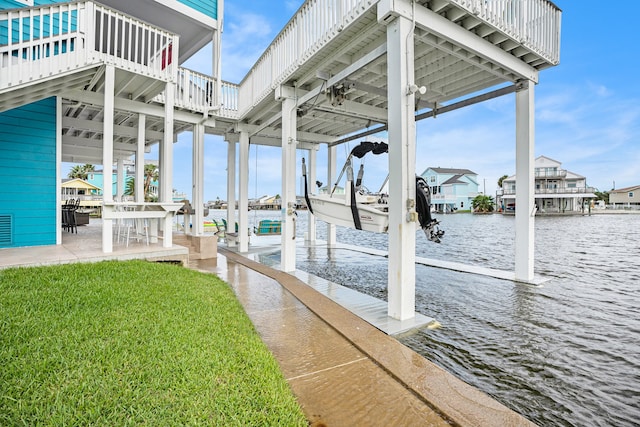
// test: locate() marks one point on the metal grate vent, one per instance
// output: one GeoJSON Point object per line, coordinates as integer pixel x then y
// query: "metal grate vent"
{"type": "Point", "coordinates": [6, 235]}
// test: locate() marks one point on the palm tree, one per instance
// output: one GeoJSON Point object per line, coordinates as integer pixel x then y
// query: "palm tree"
{"type": "Point", "coordinates": [81, 171]}
{"type": "Point", "coordinates": [482, 203]}
{"type": "Point", "coordinates": [501, 179]}
{"type": "Point", "coordinates": [130, 186]}
{"type": "Point", "coordinates": [150, 175]}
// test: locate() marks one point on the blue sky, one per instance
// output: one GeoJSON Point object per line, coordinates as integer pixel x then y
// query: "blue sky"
{"type": "Point", "coordinates": [587, 108]}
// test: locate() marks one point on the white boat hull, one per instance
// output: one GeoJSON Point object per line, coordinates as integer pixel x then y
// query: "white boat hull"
{"type": "Point", "coordinates": [336, 209]}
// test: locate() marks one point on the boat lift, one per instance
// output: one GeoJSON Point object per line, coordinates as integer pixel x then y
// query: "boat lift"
{"type": "Point", "coordinates": [364, 210]}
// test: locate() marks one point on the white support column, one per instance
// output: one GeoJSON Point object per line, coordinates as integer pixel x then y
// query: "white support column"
{"type": "Point", "coordinates": [231, 189]}
{"type": "Point", "coordinates": [107, 154]}
{"type": "Point", "coordinates": [139, 179]}
{"type": "Point", "coordinates": [166, 163]}
{"type": "Point", "coordinates": [525, 180]}
{"type": "Point", "coordinates": [160, 157]}
{"type": "Point", "coordinates": [120, 179]}
{"type": "Point", "coordinates": [197, 190]}
{"type": "Point", "coordinates": [311, 180]}
{"type": "Point", "coordinates": [402, 165]}
{"type": "Point", "coordinates": [331, 177]}
{"type": "Point", "coordinates": [243, 192]}
{"type": "Point", "coordinates": [288, 200]}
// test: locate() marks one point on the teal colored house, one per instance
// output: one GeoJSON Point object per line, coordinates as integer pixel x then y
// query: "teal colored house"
{"type": "Point", "coordinates": [451, 189]}
{"type": "Point", "coordinates": [97, 178]}
{"type": "Point", "coordinates": [28, 154]}
{"type": "Point", "coordinates": [67, 66]}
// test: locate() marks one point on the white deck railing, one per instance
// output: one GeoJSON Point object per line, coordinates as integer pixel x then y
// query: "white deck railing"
{"type": "Point", "coordinates": [316, 23]}
{"type": "Point", "coordinates": [558, 173]}
{"type": "Point", "coordinates": [534, 23]}
{"type": "Point", "coordinates": [43, 42]}
{"type": "Point", "coordinates": [554, 191]}
{"type": "Point", "coordinates": [199, 92]}
{"type": "Point", "coordinates": [46, 41]}
{"type": "Point", "coordinates": [132, 44]}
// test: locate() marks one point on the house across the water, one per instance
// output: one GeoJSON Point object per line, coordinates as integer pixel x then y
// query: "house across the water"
{"type": "Point", "coordinates": [625, 198]}
{"type": "Point", "coordinates": [557, 190]}
{"type": "Point", "coordinates": [451, 189]}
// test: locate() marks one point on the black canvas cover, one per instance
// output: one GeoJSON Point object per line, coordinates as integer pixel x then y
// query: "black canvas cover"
{"type": "Point", "coordinates": [366, 146]}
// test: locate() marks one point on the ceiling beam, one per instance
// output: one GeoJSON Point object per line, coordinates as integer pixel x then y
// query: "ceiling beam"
{"type": "Point", "coordinates": [80, 142]}
{"type": "Point", "coordinates": [455, 106]}
{"type": "Point", "coordinates": [433, 23]}
{"type": "Point", "coordinates": [355, 109]}
{"type": "Point", "coordinates": [345, 73]}
{"type": "Point", "coordinates": [95, 98]}
{"type": "Point", "coordinates": [276, 133]}
{"type": "Point", "coordinates": [277, 142]}
{"type": "Point", "coordinates": [93, 153]}
{"type": "Point", "coordinates": [118, 130]}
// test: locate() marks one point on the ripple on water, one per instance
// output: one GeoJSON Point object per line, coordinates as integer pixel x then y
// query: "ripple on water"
{"type": "Point", "coordinates": [565, 354]}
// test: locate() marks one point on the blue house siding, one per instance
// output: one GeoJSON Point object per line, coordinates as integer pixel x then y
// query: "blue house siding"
{"type": "Point", "coordinates": [10, 4]}
{"type": "Point", "coordinates": [13, 4]}
{"type": "Point", "coordinates": [28, 173]}
{"type": "Point", "coordinates": [451, 188]}
{"type": "Point", "coordinates": [97, 179]}
{"type": "Point", "coordinates": [209, 8]}
{"type": "Point", "coordinates": [45, 26]}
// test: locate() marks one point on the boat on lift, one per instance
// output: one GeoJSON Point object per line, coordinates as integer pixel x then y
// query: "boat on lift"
{"type": "Point", "coordinates": [364, 210]}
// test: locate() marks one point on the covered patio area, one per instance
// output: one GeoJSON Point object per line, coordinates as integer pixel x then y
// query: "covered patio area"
{"type": "Point", "coordinates": [86, 246]}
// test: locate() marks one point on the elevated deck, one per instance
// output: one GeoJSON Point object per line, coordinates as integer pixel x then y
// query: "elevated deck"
{"type": "Point", "coordinates": [62, 50]}
{"type": "Point", "coordinates": [333, 53]}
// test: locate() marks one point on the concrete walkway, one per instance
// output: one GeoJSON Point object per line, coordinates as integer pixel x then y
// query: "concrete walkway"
{"type": "Point", "coordinates": [344, 371]}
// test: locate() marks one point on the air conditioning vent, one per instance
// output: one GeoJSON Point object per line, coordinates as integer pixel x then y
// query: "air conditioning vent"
{"type": "Point", "coordinates": [6, 227]}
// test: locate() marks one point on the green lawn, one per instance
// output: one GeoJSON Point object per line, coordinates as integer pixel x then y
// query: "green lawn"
{"type": "Point", "coordinates": [128, 343]}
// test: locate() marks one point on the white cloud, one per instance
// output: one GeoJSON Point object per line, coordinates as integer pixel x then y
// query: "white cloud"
{"type": "Point", "coordinates": [244, 39]}
{"type": "Point", "coordinates": [599, 90]}
{"type": "Point", "coordinates": [594, 131]}
{"type": "Point", "coordinates": [293, 5]}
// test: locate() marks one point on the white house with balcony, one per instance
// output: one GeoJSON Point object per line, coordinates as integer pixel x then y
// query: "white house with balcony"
{"type": "Point", "coordinates": [557, 190]}
{"type": "Point", "coordinates": [99, 83]}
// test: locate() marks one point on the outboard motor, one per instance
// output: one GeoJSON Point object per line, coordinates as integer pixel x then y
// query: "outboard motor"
{"type": "Point", "coordinates": [423, 206]}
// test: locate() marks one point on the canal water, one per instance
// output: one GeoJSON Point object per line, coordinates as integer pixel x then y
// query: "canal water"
{"type": "Point", "coordinates": [563, 354]}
